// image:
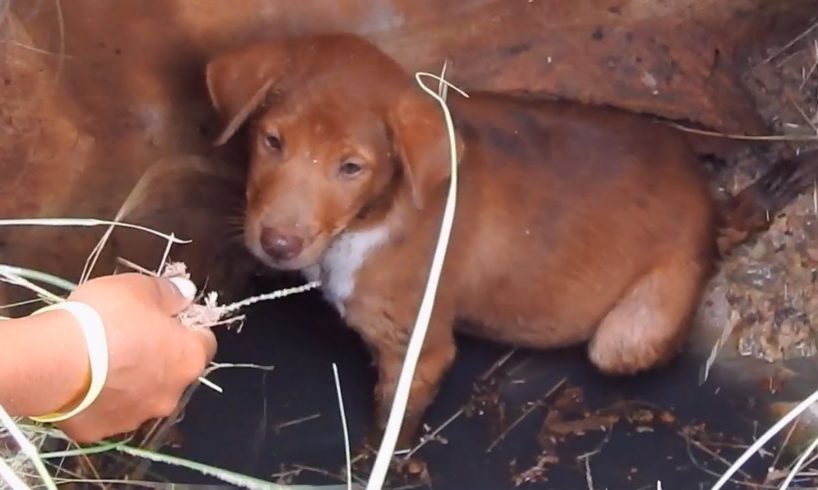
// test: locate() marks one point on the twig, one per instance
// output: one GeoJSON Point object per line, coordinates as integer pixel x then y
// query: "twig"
{"type": "Point", "coordinates": [26, 447]}
{"type": "Point", "coordinates": [587, 457]}
{"type": "Point", "coordinates": [320, 471]}
{"type": "Point", "coordinates": [599, 446]}
{"type": "Point", "coordinates": [343, 425]}
{"type": "Point", "coordinates": [215, 366]}
{"type": "Point", "coordinates": [433, 434]}
{"type": "Point", "coordinates": [36, 50]}
{"type": "Point", "coordinates": [400, 400]}
{"type": "Point", "coordinates": [213, 386]}
{"type": "Point", "coordinates": [227, 321]}
{"type": "Point", "coordinates": [497, 364]}
{"type": "Point", "coordinates": [786, 59]}
{"type": "Point", "coordinates": [814, 66]}
{"type": "Point", "coordinates": [773, 137]}
{"type": "Point", "coordinates": [20, 303]}
{"type": "Point", "coordinates": [790, 44]}
{"type": "Point", "coordinates": [39, 276]}
{"type": "Point", "coordinates": [804, 115]}
{"type": "Point", "coordinates": [525, 414]}
{"type": "Point", "coordinates": [783, 445]}
{"type": "Point", "coordinates": [714, 351]}
{"type": "Point", "coordinates": [789, 417]}
{"type": "Point", "coordinates": [135, 197]}
{"type": "Point", "coordinates": [226, 365]}
{"type": "Point", "coordinates": [697, 464]}
{"type": "Point", "coordinates": [799, 464]}
{"type": "Point", "coordinates": [165, 255]}
{"type": "Point", "coordinates": [224, 475]}
{"type": "Point", "coordinates": [297, 421]}
{"type": "Point", "coordinates": [96, 252]}
{"type": "Point", "coordinates": [8, 275]}
{"type": "Point", "coordinates": [124, 483]}
{"type": "Point", "coordinates": [12, 480]}
{"type": "Point", "coordinates": [270, 296]}
{"type": "Point", "coordinates": [709, 452]}
{"type": "Point", "coordinates": [85, 222]}
{"type": "Point", "coordinates": [588, 478]}
{"type": "Point", "coordinates": [809, 463]}
{"type": "Point", "coordinates": [734, 445]}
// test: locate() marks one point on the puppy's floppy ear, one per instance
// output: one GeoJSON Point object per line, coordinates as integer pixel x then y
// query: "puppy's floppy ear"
{"type": "Point", "coordinates": [239, 80]}
{"type": "Point", "coordinates": [422, 142]}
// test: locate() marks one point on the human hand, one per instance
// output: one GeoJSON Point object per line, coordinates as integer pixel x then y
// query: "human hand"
{"type": "Point", "coordinates": [152, 357]}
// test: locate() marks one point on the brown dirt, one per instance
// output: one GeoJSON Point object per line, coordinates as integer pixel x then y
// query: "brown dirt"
{"type": "Point", "coordinates": [767, 288]}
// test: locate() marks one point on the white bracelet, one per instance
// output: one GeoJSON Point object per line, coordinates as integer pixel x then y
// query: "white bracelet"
{"type": "Point", "coordinates": [97, 344]}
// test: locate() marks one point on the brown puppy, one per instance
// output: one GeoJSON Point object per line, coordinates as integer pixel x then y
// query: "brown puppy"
{"type": "Point", "coordinates": [573, 223]}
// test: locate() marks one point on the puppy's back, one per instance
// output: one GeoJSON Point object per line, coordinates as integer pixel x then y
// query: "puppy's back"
{"type": "Point", "coordinates": [564, 206]}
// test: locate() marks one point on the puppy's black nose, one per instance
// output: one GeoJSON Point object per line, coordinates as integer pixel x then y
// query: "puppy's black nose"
{"type": "Point", "coordinates": [278, 246]}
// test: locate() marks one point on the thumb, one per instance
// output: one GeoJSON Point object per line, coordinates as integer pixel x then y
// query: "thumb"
{"type": "Point", "coordinates": [175, 294]}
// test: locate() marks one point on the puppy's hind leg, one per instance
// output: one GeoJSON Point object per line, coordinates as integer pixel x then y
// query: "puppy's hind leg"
{"type": "Point", "coordinates": [651, 321]}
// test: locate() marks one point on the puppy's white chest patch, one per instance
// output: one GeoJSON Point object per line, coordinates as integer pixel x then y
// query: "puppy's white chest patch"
{"type": "Point", "coordinates": [341, 262]}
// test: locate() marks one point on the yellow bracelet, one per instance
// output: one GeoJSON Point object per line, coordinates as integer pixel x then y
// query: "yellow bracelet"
{"type": "Point", "coordinates": [97, 343]}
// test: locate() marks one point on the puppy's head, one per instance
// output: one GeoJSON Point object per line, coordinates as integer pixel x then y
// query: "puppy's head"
{"type": "Point", "coordinates": [338, 133]}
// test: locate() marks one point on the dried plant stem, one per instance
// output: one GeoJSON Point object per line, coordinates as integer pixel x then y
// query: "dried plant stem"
{"type": "Point", "coordinates": [39, 276]}
{"type": "Point", "coordinates": [395, 421]}
{"type": "Point", "coordinates": [344, 425]}
{"type": "Point", "coordinates": [26, 447]}
{"type": "Point", "coordinates": [12, 480]}
{"type": "Point", "coordinates": [85, 222]}
{"type": "Point", "coordinates": [7, 274]}
{"type": "Point", "coordinates": [744, 137]}
{"type": "Point", "coordinates": [771, 432]}
{"type": "Point", "coordinates": [799, 464]}
{"type": "Point", "coordinates": [270, 296]}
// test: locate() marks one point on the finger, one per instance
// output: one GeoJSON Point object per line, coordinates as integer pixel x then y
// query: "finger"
{"type": "Point", "coordinates": [200, 350]}
{"type": "Point", "coordinates": [175, 294]}
{"type": "Point", "coordinates": [207, 340]}
{"type": "Point", "coordinates": [172, 295]}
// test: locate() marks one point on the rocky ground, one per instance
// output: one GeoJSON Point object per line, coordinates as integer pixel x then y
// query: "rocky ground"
{"type": "Point", "coordinates": [766, 290]}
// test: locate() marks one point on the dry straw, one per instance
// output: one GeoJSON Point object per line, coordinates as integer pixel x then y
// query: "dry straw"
{"type": "Point", "coordinates": [761, 441]}
{"type": "Point", "coordinates": [396, 414]}
{"type": "Point", "coordinates": [15, 430]}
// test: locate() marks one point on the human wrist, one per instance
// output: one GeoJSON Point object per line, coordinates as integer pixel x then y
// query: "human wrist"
{"type": "Point", "coordinates": [46, 367]}
{"type": "Point", "coordinates": [96, 341]}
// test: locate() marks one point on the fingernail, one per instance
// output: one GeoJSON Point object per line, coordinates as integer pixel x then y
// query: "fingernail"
{"type": "Point", "coordinates": [185, 286]}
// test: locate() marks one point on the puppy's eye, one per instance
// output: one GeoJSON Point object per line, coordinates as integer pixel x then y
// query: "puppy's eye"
{"type": "Point", "coordinates": [350, 169]}
{"type": "Point", "coordinates": [272, 142]}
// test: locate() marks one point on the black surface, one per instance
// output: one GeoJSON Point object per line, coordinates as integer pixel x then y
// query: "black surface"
{"type": "Point", "coordinates": [302, 336]}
